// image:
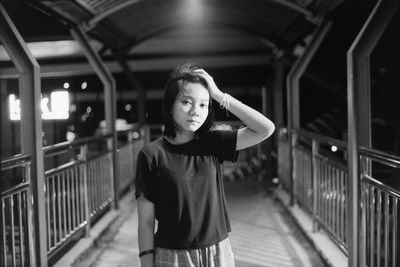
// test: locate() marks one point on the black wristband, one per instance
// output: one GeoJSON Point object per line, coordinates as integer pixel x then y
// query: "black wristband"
{"type": "Point", "coordinates": [150, 251]}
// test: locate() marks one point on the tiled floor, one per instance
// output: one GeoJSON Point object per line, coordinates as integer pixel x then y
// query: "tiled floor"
{"type": "Point", "coordinates": [261, 234]}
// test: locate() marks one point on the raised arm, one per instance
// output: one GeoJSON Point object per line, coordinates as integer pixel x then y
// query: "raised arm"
{"type": "Point", "coordinates": [258, 127]}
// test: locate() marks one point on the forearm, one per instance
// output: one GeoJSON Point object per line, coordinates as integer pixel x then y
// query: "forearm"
{"type": "Point", "coordinates": [146, 242]}
{"type": "Point", "coordinates": [254, 120]}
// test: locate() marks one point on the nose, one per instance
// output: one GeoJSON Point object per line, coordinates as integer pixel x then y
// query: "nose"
{"type": "Point", "coordinates": [193, 112]}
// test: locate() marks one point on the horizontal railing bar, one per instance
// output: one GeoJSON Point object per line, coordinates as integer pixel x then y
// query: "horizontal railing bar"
{"type": "Point", "coordinates": [63, 167]}
{"type": "Point", "coordinates": [18, 188]}
{"type": "Point", "coordinates": [70, 144]}
{"type": "Point", "coordinates": [128, 143]}
{"type": "Point", "coordinates": [15, 161]}
{"type": "Point", "coordinates": [323, 139]}
{"type": "Point", "coordinates": [105, 152]}
{"type": "Point", "coordinates": [386, 188]}
{"type": "Point", "coordinates": [75, 162]}
{"type": "Point", "coordinates": [134, 129]}
{"type": "Point", "coordinates": [380, 156]}
{"type": "Point", "coordinates": [332, 162]}
{"type": "Point", "coordinates": [67, 240]}
{"type": "Point", "coordinates": [340, 243]}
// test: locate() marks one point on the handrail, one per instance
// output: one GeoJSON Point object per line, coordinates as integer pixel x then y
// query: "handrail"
{"type": "Point", "coordinates": [15, 189]}
{"type": "Point", "coordinates": [68, 144]}
{"type": "Point", "coordinates": [63, 167]}
{"type": "Point", "coordinates": [15, 161]}
{"type": "Point", "coordinates": [134, 129]}
{"type": "Point", "coordinates": [323, 139]}
{"type": "Point", "coordinates": [386, 188]}
{"type": "Point", "coordinates": [381, 156]}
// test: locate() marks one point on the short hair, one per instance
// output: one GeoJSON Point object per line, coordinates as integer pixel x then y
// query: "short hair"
{"type": "Point", "coordinates": [174, 85]}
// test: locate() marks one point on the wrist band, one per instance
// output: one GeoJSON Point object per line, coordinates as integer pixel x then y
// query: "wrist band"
{"type": "Point", "coordinates": [225, 101]}
{"type": "Point", "coordinates": [145, 252]}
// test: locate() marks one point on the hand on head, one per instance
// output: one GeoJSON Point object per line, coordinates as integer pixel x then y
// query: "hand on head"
{"type": "Point", "coordinates": [210, 82]}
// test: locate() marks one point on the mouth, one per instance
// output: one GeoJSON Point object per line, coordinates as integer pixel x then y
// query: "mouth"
{"type": "Point", "coordinates": [192, 121]}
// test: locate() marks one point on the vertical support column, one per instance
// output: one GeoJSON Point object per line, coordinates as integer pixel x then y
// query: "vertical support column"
{"type": "Point", "coordinates": [31, 126]}
{"type": "Point", "coordinates": [293, 144]}
{"type": "Point", "coordinates": [278, 87]}
{"type": "Point", "coordinates": [315, 151]}
{"type": "Point", "coordinates": [293, 91]}
{"type": "Point", "coordinates": [110, 102]}
{"type": "Point", "coordinates": [267, 147]}
{"type": "Point", "coordinates": [84, 174]}
{"type": "Point", "coordinates": [359, 111]}
{"type": "Point", "coordinates": [141, 93]}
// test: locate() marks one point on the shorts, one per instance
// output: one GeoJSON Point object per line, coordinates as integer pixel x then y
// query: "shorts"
{"type": "Point", "coordinates": [218, 255]}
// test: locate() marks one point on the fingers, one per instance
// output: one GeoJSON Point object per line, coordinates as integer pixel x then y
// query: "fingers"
{"type": "Point", "coordinates": [203, 73]}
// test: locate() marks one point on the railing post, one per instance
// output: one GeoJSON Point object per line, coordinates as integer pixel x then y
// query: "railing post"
{"type": "Point", "coordinates": [363, 232]}
{"type": "Point", "coordinates": [315, 151]}
{"type": "Point", "coordinates": [147, 134]}
{"type": "Point", "coordinates": [30, 217]}
{"type": "Point", "coordinates": [293, 81]}
{"type": "Point", "coordinates": [293, 174]}
{"type": "Point", "coordinates": [359, 111]}
{"type": "Point", "coordinates": [85, 170]}
{"type": "Point", "coordinates": [110, 103]}
{"type": "Point", "coordinates": [31, 127]}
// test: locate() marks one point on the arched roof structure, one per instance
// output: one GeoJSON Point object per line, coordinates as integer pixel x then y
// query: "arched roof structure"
{"type": "Point", "coordinates": [160, 28]}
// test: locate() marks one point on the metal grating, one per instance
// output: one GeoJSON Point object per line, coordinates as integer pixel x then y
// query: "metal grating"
{"type": "Point", "coordinates": [98, 6]}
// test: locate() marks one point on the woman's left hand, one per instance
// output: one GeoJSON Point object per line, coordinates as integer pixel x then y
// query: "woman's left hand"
{"type": "Point", "coordinates": [214, 90]}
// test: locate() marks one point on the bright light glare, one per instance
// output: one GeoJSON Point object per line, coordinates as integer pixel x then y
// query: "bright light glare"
{"type": "Point", "coordinates": [59, 105]}
{"type": "Point", "coordinates": [58, 109]}
{"type": "Point", "coordinates": [66, 85]}
{"type": "Point", "coordinates": [333, 148]}
{"type": "Point", "coordinates": [128, 107]}
{"type": "Point", "coordinates": [84, 85]}
{"type": "Point", "coordinates": [70, 136]}
{"type": "Point", "coordinates": [193, 10]}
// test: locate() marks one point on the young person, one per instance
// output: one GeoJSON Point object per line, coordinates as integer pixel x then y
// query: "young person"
{"type": "Point", "coordinates": [179, 178]}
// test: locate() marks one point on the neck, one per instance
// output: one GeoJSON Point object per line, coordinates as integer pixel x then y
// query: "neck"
{"type": "Point", "coordinates": [181, 138]}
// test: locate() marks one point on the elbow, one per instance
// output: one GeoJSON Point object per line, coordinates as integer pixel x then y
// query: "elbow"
{"type": "Point", "coordinates": [269, 128]}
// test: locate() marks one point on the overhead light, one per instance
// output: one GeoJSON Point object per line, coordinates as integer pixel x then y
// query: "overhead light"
{"type": "Point", "coordinates": [84, 85]}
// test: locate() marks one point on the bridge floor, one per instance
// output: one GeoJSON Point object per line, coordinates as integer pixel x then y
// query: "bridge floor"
{"type": "Point", "coordinates": [262, 233]}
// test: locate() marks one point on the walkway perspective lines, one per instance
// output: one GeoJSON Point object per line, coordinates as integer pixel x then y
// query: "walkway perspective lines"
{"type": "Point", "coordinates": [260, 236]}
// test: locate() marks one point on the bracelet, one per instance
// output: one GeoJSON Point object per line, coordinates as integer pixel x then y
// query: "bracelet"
{"type": "Point", "coordinates": [225, 101]}
{"type": "Point", "coordinates": [145, 252]}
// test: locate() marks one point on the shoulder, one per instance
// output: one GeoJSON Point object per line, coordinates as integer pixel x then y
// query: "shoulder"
{"type": "Point", "coordinates": [152, 149]}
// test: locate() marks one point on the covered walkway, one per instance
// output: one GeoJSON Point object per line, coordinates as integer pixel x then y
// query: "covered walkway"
{"type": "Point", "coordinates": [81, 85]}
{"type": "Point", "coordinates": [263, 234]}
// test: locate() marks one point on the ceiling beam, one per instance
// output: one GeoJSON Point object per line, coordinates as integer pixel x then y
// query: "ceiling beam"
{"type": "Point", "coordinates": [315, 18]}
{"type": "Point", "coordinates": [88, 25]}
{"type": "Point", "coordinates": [108, 12]}
{"type": "Point", "coordinates": [156, 64]}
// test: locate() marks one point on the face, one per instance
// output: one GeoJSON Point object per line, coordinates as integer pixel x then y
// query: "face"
{"type": "Point", "coordinates": [190, 109]}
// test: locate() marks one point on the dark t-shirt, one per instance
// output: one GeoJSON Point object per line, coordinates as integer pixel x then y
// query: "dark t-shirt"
{"type": "Point", "coordinates": [185, 184]}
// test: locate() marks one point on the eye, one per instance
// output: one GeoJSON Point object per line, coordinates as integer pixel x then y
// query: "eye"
{"type": "Point", "coordinates": [203, 105]}
{"type": "Point", "coordinates": [185, 102]}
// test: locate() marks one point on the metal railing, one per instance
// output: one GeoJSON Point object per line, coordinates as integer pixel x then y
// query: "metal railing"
{"type": "Point", "coordinates": [79, 184]}
{"type": "Point", "coordinates": [127, 154]}
{"type": "Point", "coordinates": [16, 214]}
{"type": "Point", "coordinates": [320, 180]}
{"type": "Point", "coordinates": [380, 208]}
{"type": "Point", "coordinates": [78, 190]}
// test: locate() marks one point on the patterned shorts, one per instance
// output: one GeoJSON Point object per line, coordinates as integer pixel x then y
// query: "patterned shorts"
{"type": "Point", "coordinates": [219, 255]}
